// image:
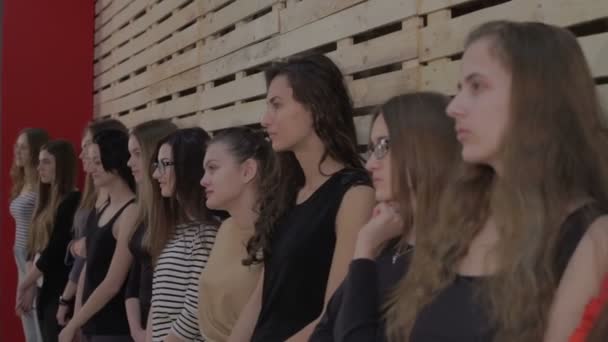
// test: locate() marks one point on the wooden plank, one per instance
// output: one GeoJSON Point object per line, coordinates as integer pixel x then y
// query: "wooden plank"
{"type": "Point", "coordinates": [375, 90]}
{"type": "Point", "coordinates": [212, 5]}
{"type": "Point", "coordinates": [152, 35]}
{"type": "Point", "coordinates": [160, 84]}
{"type": "Point", "coordinates": [231, 14]}
{"type": "Point", "coordinates": [441, 75]}
{"type": "Point", "coordinates": [106, 14]}
{"type": "Point", "coordinates": [305, 12]}
{"type": "Point", "coordinates": [446, 39]}
{"type": "Point", "coordinates": [392, 48]}
{"type": "Point", "coordinates": [244, 88]}
{"type": "Point", "coordinates": [428, 6]}
{"type": "Point", "coordinates": [100, 5]}
{"type": "Point", "coordinates": [354, 20]}
{"type": "Point", "coordinates": [363, 126]}
{"type": "Point", "coordinates": [243, 114]}
{"type": "Point", "coordinates": [124, 16]}
{"type": "Point", "coordinates": [250, 33]}
{"type": "Point", "coordinates": [595, 48]}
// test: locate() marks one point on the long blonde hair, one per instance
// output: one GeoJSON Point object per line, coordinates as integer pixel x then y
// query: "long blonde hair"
{"type": "Point", "coordinates": [51, 195]}
{"type": "Point", "coordinates": [36, 138]}
{"type": "Point", "coordinates": [552, 153]}
{"type": "Point", "coordinates": [148, 134]}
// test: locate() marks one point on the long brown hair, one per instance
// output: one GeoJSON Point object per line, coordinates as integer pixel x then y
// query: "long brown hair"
{"type": "Point", "coordinates": [423, 147]}
{"type": "Point", "coordinates": [51, 195]}
{"type": "Point", "coordinates": [89, 194]}
{"type": "Point", "coordinates": [553, 152]}
{"type": "Point", "coordinates": [36, 138]}
{"type": "Point", "coordinates": [188, 202]}
{"type": "Point", "coordinates": [318, 84]}
{"type": "Point", "coordinates": [148, 134]}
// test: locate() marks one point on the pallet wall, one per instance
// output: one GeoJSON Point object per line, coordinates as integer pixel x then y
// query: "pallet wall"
{"type": "Point", "coordinates": [199, 62]}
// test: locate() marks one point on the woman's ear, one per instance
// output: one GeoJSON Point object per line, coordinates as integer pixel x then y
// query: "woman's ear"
{"type": "Point", "coordinates": [249, 170]}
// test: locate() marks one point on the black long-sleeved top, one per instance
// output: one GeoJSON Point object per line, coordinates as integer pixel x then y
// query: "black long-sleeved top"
{"type": "Point", "coordinates": [139, 284]}
{"type": "Point", "coordinates": [354, 311]}
{"type": "Point", "coordinates": [51, 261]}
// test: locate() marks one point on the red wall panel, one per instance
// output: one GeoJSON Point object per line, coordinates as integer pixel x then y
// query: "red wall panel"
{"type": "Point", "coordinates": [47, 79]}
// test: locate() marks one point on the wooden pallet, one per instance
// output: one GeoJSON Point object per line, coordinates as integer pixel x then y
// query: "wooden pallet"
{"type": "Point", "coordinates": [200, 62]}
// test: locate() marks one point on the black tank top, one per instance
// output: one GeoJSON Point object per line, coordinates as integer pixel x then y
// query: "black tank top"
{"type": "Point", "coordinates": [455, 315]}
{"type": "Point", "coordinates": [101, 244]}
{"type": "Point", "coordinates": [302, 247]}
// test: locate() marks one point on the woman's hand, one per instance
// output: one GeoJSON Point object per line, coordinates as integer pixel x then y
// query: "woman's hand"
{"type": "Point", "coordinates": [386, 223]}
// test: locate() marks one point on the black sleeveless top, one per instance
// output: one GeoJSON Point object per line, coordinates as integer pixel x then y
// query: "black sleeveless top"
{"type": "Point", "coordinates": [302, 247]}
{"type": "Point", "coordinates": [101, 244]}
{"type": "Point", "coordinates": [456, 315]}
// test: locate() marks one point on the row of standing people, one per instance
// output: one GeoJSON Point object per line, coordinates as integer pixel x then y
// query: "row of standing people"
{"type": "Point", "coordinates": [485, 224]}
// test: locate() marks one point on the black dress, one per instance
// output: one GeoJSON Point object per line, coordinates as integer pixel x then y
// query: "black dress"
{"type": "Point", "coordinates": [139, 284]}
{"type": "Point", "coordinates": [297, 269]}
{"type": "Point", "coordinates": [101, 244]}
{"type": "Point", "coordinates": [52, 266]}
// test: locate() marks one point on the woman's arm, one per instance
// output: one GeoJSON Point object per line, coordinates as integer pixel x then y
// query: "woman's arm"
{"type": "Point", "coordinates": [245, 325]}
{"type": "Point", "coordinates": [580, 283]}
{"type": "Point", "coordinates": [115, 278]}
{"type": "Point", "coordinates": [132, 302]}
{"type": "Point", "coordinates": [185, 326]}
{"type": "Point", "coordinates": [355, 210]}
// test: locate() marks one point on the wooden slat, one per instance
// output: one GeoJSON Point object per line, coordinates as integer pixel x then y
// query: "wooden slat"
{"type": "Point", "coordinates": [363, 126]}
{"type": "Point", "coordinates": [243, 114]}
{"type": "Point", "coordinates": [595, 48]}
{"type": "Point", "coordinates": [107, 13]}
{"type": "Point", "coordinates": [247, 34]}
{"type": "Point", "coordinates": [305, 12]}
{"type": "Point", "coordinates": [446, 39]}
{"type": "Point", "coordinates": [212, 5]}
{"type": "Point", "coordinates": [375, 90]}
{"type": "Point", "coordinates": [231, 14]}
{"type": "Point", "coordinates": [392, 48]}
{"type": "Point", "coordinates": [354, 20]}
{"type": "Point", "coordinates": [247, 87]}
{"type": "Point", "coordinates": [100, 5]}
{"type": "Point", "coordinates": [441, 76]}
{"type": "Point", "coordinates": [428, 6]}
{"type": "Point", "coordinates": [117, 21]}
{"type": "Point", "coordinates": [152, 35]}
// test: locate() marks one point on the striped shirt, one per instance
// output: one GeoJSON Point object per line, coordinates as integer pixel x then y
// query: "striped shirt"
{"type": "Point", "coordinates": [175, 284]}
{"type": "Point", "coordinates": [22, 209]}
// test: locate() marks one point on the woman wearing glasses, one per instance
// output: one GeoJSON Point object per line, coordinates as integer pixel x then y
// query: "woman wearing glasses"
{"type": "Point", "coordinates": [408, 182]}
{"type": "Point", "coordinates": [180, 236]}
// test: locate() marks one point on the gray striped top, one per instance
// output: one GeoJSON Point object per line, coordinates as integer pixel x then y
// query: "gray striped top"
{"type": "Point", "coordinates": [22, 209]}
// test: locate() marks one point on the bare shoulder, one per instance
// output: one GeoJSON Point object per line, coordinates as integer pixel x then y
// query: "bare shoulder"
{"type": "Point", "coordinates": [358, 195]}
{"type": "Point", "coordinates": [596, 238]}
{"type": "Point", "coordinates": [126, 222]}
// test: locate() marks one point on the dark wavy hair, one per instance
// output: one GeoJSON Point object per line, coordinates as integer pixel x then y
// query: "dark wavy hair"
{"type": "Point", "coordinates": [318, 84]}
{"type": "Point", "coordinates": [188, 202]}
{"type": "Point", "coordinates": [114, 154]}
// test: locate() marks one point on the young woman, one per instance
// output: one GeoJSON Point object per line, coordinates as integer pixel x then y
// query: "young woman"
{"type": "Point", "coordinates": [24, 179]}
{"type": "Point", "coordinates": [51, 231]}
{"type": "Point", "coordinates": [413, 152]}
{"type": "Point", "coordinates": [90, 201]}
{"type": "Point", "coordinates": [180, 236]}
{"type": "Point", "coordinates": [102, 316]}
{"type": "Point", "coordinates": [142, 143]}
{"type": "Point", "coordinates": [313, 208]}
{"type": "Point", "coordinates": [235, 162]}
{"type": "Point", "coordinates": [528, 118]}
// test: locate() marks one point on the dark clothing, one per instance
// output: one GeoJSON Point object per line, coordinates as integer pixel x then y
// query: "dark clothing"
{"type": "Point", "coordinates": [455, 314]}
{"type": "Point", "coordinates": [354, 311]}
{"type": "Point", "coordinates": [302, 248]}
{"type": "Point", "coordinates": [53, 268]}
{"type": "Point", "coordinates": [101, 244]}
{"type": "Point", "coordinates": [139, 284]}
